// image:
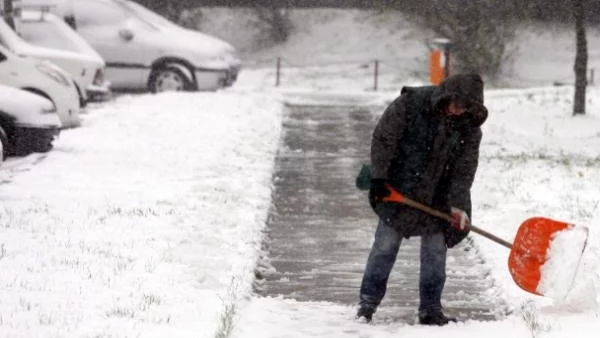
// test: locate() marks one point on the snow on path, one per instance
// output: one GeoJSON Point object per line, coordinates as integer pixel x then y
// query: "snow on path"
{"type": "Point", "coordinates": [139, 222]}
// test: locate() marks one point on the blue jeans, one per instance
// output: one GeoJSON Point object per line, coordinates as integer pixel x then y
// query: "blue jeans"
{"type": "Point", "coordinates": [382, 259]}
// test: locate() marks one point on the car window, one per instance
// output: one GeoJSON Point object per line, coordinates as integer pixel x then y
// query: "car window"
{"type": "Point", "coordinates": [145, 14]}
{"type": "Point", "coordinates": [98, 13]}
{"type": "Point", "coordinates": [46, 34]}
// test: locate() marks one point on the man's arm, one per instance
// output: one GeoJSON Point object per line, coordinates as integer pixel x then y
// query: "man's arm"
{"type": "Point", "coordinates": [388, 131]}
{"type": "Point", "coordinates": [463, 173]}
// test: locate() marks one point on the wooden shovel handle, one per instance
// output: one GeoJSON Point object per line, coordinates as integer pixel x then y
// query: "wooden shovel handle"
{"type": "Point", "coordinates": [397, 197]}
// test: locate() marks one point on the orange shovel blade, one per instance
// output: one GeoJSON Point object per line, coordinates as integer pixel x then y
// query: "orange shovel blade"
{"type": "Point", "coordinates": [529, 251]}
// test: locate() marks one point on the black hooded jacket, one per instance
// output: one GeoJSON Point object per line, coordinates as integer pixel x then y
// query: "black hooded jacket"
{"type": "Point", "coordinates": [428, 156]}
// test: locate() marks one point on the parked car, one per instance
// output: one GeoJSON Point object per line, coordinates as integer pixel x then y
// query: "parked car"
{"type": "Point", "coordinates": [41, 28]}
{"type": "Point", "coordinates": [228, 51]}
{"type": "Point", "coordinates": [142, 51]}
{"type": "Point", "coordinates": [42, 78]}
{"type": "Point", "coordinates": [28, 123]}
{"type": "Point", "coordinates": [80, 67]}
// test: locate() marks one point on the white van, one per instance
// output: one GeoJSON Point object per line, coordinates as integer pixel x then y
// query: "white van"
{"type": "Point", "coordinates": [42, 78]}
{"type": "Point", "coordinates": [82, 68]}
{"type": "Point", "coordinates": [28, 123]}
{"type": "Point", "coordinates": [142, 52]}
{"type": "Point", "coordinates": [41, 28]}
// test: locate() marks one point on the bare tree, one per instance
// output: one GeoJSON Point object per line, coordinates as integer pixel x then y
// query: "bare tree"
{"type": "Point", "coordinates": [274, 21]}
{"type": "Point", "coordinates": [581, 57]}
{"type": "Point", "coordinates": [480, 31]}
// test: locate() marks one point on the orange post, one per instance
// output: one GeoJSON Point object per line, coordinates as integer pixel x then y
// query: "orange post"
{"type": "Point", "coordinates": [437, 66]}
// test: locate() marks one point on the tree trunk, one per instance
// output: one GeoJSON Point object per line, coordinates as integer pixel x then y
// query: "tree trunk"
{"type": "Point", "coordinates": [581, 58]}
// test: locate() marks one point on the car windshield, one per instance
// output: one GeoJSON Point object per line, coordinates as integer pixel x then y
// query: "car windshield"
{"type": "Point", "coordinates": [145, 14]}
{"type": "Point", "coordinates": [49, 34]}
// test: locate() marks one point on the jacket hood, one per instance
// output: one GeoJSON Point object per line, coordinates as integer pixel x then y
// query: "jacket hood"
{"type": "Point", "coordinates": [467, 87]}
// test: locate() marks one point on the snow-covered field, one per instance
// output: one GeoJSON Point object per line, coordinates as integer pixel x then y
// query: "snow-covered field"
{"type": "Point", "coordinates": [142, 223]}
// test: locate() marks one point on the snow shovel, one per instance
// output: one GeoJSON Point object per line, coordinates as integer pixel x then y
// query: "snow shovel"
{"type": "Point", "coordinates": [539, 259]}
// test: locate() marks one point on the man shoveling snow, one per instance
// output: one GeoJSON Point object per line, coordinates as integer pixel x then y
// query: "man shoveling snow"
{"type": "Point", "coordinates": [426, 145]}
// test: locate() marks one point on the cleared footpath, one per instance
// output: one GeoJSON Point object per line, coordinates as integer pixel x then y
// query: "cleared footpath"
{"type": "Point", "coordinates": [321, 228]}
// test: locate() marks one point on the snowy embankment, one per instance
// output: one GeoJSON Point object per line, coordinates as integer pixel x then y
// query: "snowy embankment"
{"type": "Point", "coordinates": [338, 47]}
{"type": "Point", "coordinates": [142, 223]}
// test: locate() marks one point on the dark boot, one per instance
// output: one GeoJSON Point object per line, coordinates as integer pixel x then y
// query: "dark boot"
{"type": "Point", "coordinates": [365, 312]}
{"type": "Point", "coordinates": [435, 318]}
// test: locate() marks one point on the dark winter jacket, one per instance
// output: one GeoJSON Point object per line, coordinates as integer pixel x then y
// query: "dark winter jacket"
{"type": "Point", "coordinates": [428, 156]}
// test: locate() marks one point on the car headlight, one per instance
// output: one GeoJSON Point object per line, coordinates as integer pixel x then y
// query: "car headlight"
{"type": "Point", "coordinates": [99, 77]}
{"type": "Point", "coordinates": [212, 61]}
{"type": "Point", "coordinates": [51, 71]}
{"type": "Point", "coordinates": [233, 55]}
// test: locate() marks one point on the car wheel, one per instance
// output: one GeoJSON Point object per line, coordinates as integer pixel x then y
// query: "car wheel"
{"type": "Point", "coordinates": [3, 144]}
{"type": "Point", "coordinates": [168, 79]}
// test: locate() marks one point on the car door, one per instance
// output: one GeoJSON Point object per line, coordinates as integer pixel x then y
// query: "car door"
{"type": "Point", "coordinates": [105, 26]}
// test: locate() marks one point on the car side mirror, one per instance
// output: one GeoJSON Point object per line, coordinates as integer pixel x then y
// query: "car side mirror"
{"type": "Point", "coordinates": [126, 34]}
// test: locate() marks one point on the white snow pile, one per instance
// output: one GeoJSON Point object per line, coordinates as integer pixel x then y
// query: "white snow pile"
{"type": "Point", "coordinates": [562, 262]}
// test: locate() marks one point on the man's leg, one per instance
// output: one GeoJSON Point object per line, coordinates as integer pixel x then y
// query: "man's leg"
{"type": "Point", "coordinates": [433, 272]}
{"type": "Point", "coordinates": [379, 265]}
{"type": "Point", "coordinates": [432, 280]}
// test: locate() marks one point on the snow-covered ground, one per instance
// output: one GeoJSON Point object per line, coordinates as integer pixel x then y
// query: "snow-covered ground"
{"type": "Point", "coordinates": [536, 160]}
{"type": "Point", "coordinates": [142, 223]}
{"type": "Point", "coordinates": [146, 221]}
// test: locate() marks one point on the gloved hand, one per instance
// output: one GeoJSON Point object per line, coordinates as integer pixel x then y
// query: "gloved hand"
{"type": "Point", "coordinates": [377, 192]}
{"type": "Point", "coordinates": [459, 227]}
{"type": "Point", "coordinates": [460, 219]}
